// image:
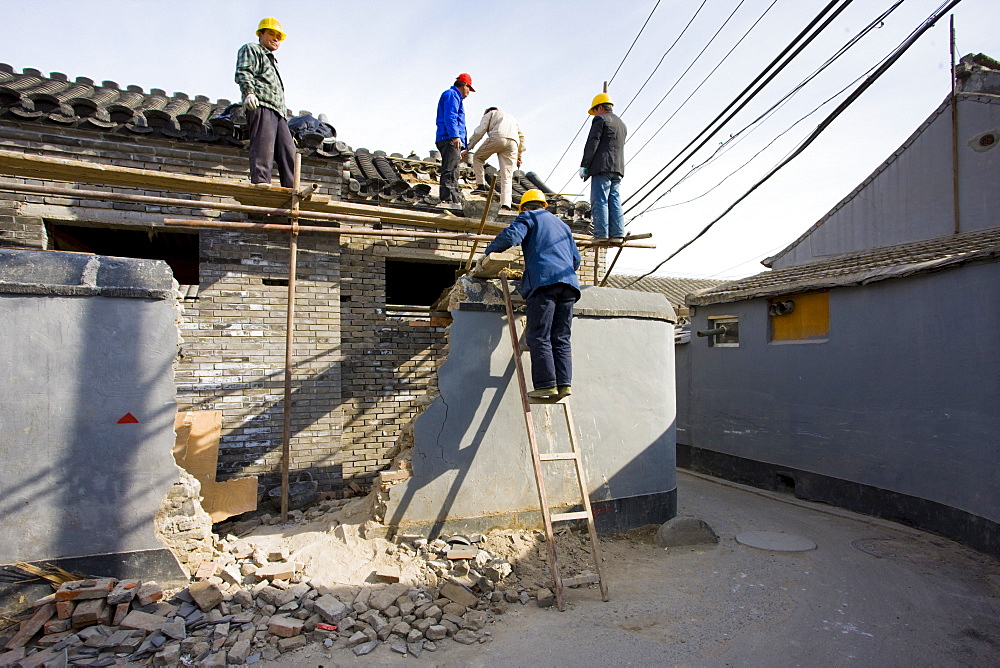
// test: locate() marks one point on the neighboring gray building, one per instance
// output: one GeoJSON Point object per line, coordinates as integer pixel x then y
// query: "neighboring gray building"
{"type": "Point", "coordinates": [862, 370]}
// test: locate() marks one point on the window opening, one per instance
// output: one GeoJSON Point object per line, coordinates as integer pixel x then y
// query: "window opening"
{"type": "Point", "coordinates": [723, 331]}
{"type": "Point", "coordinates": [178, 249]}
{"type": "Point", "coordinates": [412, 287]}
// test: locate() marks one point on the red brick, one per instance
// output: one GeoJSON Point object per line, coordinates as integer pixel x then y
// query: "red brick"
{"type": "Point", "coordinates": [91, 611]}
{"type": "Point", "coordinates": [64, 609]}
{"type": "Point", "coordinates": [31, 626]}
{"type": "Point", "coordinates": [85, 589]}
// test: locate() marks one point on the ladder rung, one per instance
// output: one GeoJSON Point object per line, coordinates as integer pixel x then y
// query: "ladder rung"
{"type": "Point", "coordinates": [586, 578]}
{"type": "Point", "coordinates": [557, 456]}
{"type": "Point", "coordinates": [565, 517]}
{"type": "Point", "coordinates": [532, 400]}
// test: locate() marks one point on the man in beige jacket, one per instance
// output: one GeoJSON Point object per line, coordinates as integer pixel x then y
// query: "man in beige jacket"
{"type": "Point", "coordinates": [504, 139]}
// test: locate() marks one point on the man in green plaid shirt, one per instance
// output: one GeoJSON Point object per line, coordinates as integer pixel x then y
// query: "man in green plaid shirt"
{"type": "Point", "coordinates": [264, 101]}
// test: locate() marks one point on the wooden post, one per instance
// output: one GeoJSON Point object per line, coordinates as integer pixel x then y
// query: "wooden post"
{"type": "Point", "coordinates": [286, 436]}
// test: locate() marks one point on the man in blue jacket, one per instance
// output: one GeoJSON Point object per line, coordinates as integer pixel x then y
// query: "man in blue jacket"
{"type": "Point", "coordinates": [451, 137]}
{"type": "Point", "coordinates": [550, 288]}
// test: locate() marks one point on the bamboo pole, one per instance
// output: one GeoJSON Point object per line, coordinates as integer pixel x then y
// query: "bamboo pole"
{"type": "Point", "coordinates": [71, 193]}
{"type": "Point", "coordinates": [482, 223]}
{"type": "Point", "coordinates": [286, 436]}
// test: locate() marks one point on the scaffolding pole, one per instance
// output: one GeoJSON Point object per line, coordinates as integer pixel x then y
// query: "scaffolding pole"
{"type": "Point", "coordinates": [293, 246]}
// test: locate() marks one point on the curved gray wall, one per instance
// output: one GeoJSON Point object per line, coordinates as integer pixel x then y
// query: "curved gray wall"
{"type": "Point", "coordinates": [86, 340]}
{"type": "Point", "coordinates": [471, 457]}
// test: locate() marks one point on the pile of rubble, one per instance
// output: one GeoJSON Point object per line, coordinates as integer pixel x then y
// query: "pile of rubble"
{"type": "Point", "coordinates": [260, 605]}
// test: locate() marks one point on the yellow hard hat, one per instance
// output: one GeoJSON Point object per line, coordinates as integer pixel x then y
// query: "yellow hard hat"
{"type": "Point", "coordinates": [533, 195]}
{"type": "Point", "coordinates": [271, 23]}
{"type": "Point", "coordinates": [600, 98]}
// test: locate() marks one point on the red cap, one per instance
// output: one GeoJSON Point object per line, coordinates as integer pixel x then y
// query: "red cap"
{"type": "Point", "coordinates": [466, 79]}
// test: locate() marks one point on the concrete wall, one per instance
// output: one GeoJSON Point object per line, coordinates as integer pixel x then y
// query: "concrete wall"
{"type": "Point", "coordinates": [901, 397]}
{"type": "Point", "coordinates": [910, 197]}
{"type": "Point", "coordinates": [87, 340]}
{"type": "Point", "coordinates": [471, 461]}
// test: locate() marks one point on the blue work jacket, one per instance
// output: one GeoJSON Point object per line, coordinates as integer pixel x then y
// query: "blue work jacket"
{"type": "Point", "coordinates": [550, 254]}
{"type": "Point", "coordinates": [451, 116]}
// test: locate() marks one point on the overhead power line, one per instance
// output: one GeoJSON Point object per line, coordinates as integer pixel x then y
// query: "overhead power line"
{"type": "Point", "coordinates": [804, 34]}
{"type": "Point", "coordinates": [571, 141]}
{"type": "Point", "coordinates": [896, 54]}
{"type": "Point", "coordinates": [743, 133]}
{"type": "Point", "coordinates": [697, 88]}
{"type": "Point", "coordinates": [665, 53]}
{"type": "Point", "coordinates": [684, 73]}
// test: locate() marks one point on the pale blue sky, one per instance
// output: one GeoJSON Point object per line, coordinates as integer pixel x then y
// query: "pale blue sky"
{"type": "Point", "coordinates": [377, 68]}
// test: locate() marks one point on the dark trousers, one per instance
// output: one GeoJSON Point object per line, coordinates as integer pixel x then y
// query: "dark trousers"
{"type": "Point", "coordinates": [550, 318]}
{"type": "Point", "coordinates": [450, 157]}
{"type": "Point", "coordinates": [270, 142]}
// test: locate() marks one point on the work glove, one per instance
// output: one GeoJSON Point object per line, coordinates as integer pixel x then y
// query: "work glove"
{"type": "Point", "coordinates": [250, 102]}
{"type": "Point", "coordinates": [583, 173]}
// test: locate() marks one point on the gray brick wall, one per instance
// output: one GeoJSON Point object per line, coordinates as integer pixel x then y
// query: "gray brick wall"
{"type": "Point", "coordinates": [358, 372]}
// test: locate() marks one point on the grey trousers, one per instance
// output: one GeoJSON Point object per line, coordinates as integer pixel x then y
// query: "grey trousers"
{"type": "Point", "coordinates": [450, 157]}
{"type": "Point", "coordinates": [270, 142]}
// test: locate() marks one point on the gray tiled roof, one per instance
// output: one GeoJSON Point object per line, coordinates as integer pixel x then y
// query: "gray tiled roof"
{"type": "Point", "coordinates": [861, 267]}
{"type": "Point", "coordinates": [674, 289]}
{"type": "Point", "coordinates": [131, 112]}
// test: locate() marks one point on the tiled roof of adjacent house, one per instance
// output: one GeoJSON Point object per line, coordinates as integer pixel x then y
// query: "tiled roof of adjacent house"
{"type": "Point", "coordinates": [674, 289]}
{"type": "Point", "coordinates": [29, 96]}
{"type": "Point", "coordinates": [860, 268]}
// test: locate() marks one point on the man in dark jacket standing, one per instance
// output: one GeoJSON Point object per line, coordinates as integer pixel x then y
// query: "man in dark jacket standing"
{"type": "Point", "coordinates": [604, 163]}
{"type": "Point", "coordinates": [451, 137]}
{"type": "Point", "coordinates": [264, 101]}
{"type": "Point", "coordinates": [550, 287]}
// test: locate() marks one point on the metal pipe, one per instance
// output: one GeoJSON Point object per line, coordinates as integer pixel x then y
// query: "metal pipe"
{"type": "Point", "coordinates": [954, 136]}
{"type": "Point", "coordinates": [286, 436]}
{"type": "Point", "coordinates": [70, 193]}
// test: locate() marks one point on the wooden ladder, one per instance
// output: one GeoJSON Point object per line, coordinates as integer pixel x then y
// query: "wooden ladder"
{"type": "Point", "coordinates": [537, 459]}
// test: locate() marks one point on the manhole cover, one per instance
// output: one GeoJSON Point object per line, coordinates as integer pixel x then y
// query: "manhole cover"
{"type": "Point", "coordinates": [775, 541]}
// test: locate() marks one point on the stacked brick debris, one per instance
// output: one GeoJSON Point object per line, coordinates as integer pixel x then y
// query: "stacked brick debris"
{"type": "Point", "coordinates": [258, 606]}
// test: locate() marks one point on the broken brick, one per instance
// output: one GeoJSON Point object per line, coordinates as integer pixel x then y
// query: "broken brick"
{"type": "Point", "coordinates": [205, 570]}
{"type": "Point", "coordinates": [285, 627]}
{"type": "Point", "coordinates": [77, 590]}
{"type": "Point", "coordinates": [148, 593]}
{"type": "Point", "coordinates": [123, 592]}
{"type": "Point", "coordinates": [64, 609]}
{"type": "Point", "coordinates": [142, 621]}
{"type": "Point", "coordinates": [31, 626]}
{"type": "Point", "coordinates": [206, 594]}
{"type": "Point", "coordinates": [120, 611]}
{"type": "Point", "coordinates": [90, 611]}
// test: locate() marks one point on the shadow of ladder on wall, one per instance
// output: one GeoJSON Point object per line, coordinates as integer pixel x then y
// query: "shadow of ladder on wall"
{"type": "Point", "coordinates": [538, 459]}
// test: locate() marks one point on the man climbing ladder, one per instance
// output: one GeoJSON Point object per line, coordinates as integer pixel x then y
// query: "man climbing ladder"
{"type": "Point", "coordinates": [550, 288]}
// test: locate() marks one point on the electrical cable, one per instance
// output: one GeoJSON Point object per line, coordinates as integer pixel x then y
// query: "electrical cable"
{"type": "Point", "coordinates": [693, 62]}
{"type": "Point", "coordinates": [667, 52]}
{"type": "Point", "coordinates": [641, 30]}
{"type": "Point", "coordinates": [896, 54]}
{"type": "Point", "coordinates": [763, 75]}
{"type": "Point", "coordinates": [736, 138]}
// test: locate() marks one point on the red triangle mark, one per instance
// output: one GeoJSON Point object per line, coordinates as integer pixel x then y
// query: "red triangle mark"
{"type": "Point", "coordinates": [128, 418]}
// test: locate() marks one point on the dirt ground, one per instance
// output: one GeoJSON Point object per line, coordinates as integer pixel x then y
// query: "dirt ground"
{"type": "Point", "coordinates": [872, 593]}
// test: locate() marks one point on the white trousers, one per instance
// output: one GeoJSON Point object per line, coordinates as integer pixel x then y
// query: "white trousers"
{"type": "Point", "coordinates": [506, 151]}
